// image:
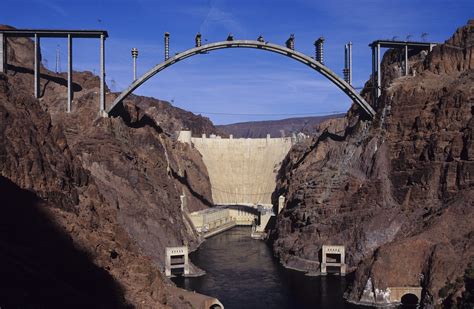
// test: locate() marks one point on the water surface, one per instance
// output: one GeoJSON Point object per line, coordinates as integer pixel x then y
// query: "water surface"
{"type": "Point", "coordinates": [242, 273]}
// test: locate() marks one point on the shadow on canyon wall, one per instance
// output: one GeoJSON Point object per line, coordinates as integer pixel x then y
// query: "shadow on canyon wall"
{"type": "Point", "coordinates": [39, 265]}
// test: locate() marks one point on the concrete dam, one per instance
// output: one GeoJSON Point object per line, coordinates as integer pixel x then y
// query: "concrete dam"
{"type": "Point", "coordinates": [242, 171]}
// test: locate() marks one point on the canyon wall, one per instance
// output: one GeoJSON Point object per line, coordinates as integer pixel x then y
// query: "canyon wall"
{"type": "Point", "coordinates": [397, 191]}
{"type": "Point", "coordinates": [103, 194]}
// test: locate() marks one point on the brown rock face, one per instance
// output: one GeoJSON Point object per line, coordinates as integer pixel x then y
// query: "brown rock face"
{"type": "Point", "coordinates": [108, 187]}
{"type": "Point", "coordinates": [171, 119]}
{"type": "Point", "coordinates": [397, 191]}
{"type": "Point", "coordinates": [56, 226]}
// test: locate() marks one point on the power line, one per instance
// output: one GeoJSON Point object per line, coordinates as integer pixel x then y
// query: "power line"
{"type": "Point", "coordinates": [263, 114]}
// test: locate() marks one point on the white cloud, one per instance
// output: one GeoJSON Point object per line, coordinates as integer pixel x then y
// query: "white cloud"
{"type": "Point", "coordinates": [216, 18]}
{"type": "Point", "coordinates": [54, 7]}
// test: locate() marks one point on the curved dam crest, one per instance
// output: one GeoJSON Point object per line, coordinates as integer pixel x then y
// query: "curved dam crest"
{"type": "Point", "coordinates": [241, 171]}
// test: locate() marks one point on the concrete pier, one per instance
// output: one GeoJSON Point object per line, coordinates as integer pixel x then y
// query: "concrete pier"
{"type": "Point", "coordinates": [102, 110]}
{"type": "Point", "coordinates": [319, 45]}
{"type": "Point", "coordinates": [406, 60]}
{"type": "Point", "coordinates": [37, 65]}
{"type": "Point", "coordinates": [70, 92]}
{"type": "Point", "coordinates": [3, 52]}
{"type": "Point", "coordinates": [379, 72]}
{"type": "Point", "coordinates": [374, 90]}
{"type": "Point", "coordinates": [167, 46]}
{"type": "Point", "coordinates": [376, 72]}
{"type": "Point", "coordinates": [349, 45]}
{"type": "Point", "coordinates": [348, 63]}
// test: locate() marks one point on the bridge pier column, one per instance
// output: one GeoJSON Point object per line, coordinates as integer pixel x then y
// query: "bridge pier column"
{"type": "Point", "coordinates": [374, 92]}
{"type": "Point", "coordinates": [69, 73]}
{"type": "Point", "coordinates": [345, 70]}
{"type": "Point", "coordinates": [406, 60]}
{"type": "Point", "coordinates": [319, 50]}
{"type": "Point", "coordinates": [167, 46]}
{"type": "Point", "coordinates": [37, 65]}
{"type": "Point", "coordinates": [3, 52]}
{"type": "Point", "coordinates": [349, 45]}
{"type": "Point", "coordinates": [379, 73]}
{"type": "Point", "coordinates": [102, 111]}
{"type": "Point", "coordinates": [348, 63]}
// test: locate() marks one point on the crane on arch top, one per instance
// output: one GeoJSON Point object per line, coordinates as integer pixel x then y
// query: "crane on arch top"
{"type": "Point", "coordinates": [288, 50]}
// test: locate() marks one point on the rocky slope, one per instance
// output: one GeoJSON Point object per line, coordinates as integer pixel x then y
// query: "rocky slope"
{"type": "Point", "coordinates": [103, 193]}
{"type": "Point", "coordinates": [396, 191]}
{"type": "Point", "coordinates": [171, 119]}
{"type": "Point", "coordinates": [276, 128]}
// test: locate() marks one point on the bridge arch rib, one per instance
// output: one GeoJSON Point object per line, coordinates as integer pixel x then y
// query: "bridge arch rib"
{"type": "Point", "coordinates": [315, 65]}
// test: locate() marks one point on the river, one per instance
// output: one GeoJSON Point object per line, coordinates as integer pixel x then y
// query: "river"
{"type": "Point", "coordinates": [242, 273]}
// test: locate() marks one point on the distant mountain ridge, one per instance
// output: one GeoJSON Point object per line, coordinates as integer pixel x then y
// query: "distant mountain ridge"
{"type": "Point", "coordinates": [276, 128]}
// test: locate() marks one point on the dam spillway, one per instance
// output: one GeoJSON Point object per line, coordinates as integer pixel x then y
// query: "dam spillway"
{"type": "Point", "coordinates": [242, 171]}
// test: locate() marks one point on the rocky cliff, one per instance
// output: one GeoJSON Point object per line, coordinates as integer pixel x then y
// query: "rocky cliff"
{"type": "Point", "coordinates": [101, 195]}
{"type": "Point", "coordinates": [396, 191]}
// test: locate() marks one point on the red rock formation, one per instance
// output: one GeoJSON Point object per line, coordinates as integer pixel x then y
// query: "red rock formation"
{"type": "Point", "coordinates": [111, 186]}
{"type": "Point", "coordinates": [396, 191]}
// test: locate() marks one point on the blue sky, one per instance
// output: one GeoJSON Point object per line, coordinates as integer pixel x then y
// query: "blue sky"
{"type": "Point", "coordinates": [236, 81]}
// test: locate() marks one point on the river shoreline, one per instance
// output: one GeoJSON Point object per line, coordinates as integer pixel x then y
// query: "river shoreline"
{"type": "Point", "coordinates": [241, 270]}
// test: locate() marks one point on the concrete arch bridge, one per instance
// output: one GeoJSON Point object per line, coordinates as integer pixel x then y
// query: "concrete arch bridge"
{"type": "Point", "coordinates": [318, 66]}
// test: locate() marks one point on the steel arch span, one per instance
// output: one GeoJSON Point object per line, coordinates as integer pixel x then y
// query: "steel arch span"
{"type": "Point", "coordinates": [315, 65]}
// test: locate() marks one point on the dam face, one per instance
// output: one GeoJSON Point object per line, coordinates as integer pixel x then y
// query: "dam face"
{"type": "Point", "coordinates": [241, 171]}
